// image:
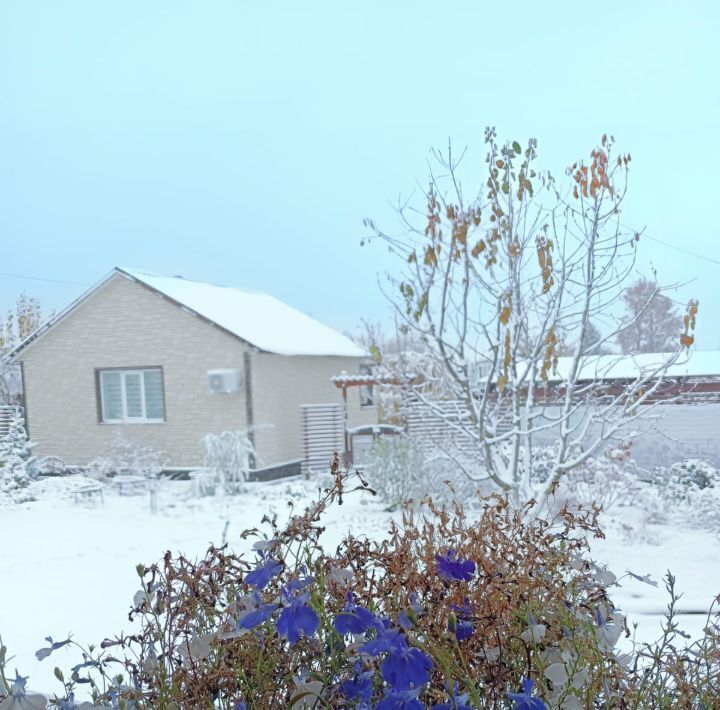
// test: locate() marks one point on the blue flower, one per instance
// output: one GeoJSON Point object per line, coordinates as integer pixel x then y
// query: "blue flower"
{"type": "Point", "coordinates": [19, 698]}
{"type": "Point", "coordinates": [386, 641]}
{"type": "Point", "coordinates": [260, 577]}
{"type": "Point", "coordinates": [297, 619]}
{"type": "Point", "coordinates": [355, 619]}
{"type": "Point", "coordinates": [240, 705]}
{"type": "Point", "coordinates": [457, 702]}
{"type": "Point", "coordinates": [295, 585]}
{"type": "Point", "coordinates": [359, 687]}
{"type": "Point", "coordinates": [400, 701]}
{"type": "Point", "coordinates": [17, 687]}
{"type": "Point", "coordinates": [257, 616]}
{"type": "Point", "coordinates": [525, 700]}
{"type": "Point", "coordinates": [463, 630]}
{"type": "Point", "coordinates": [450, 567]}
{"type": "Point", "coordinates": [405, 668]}
{"type": "Point", "coordinates": [69, 703]}
{"type": "Point", "coordinates": [464, 610]}
{"type": "Point", "coordinates": [54, 646]}
{"type": "Point", "coordinates": [407, 618]}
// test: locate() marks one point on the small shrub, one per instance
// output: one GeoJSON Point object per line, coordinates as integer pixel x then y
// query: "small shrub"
{"type": "Point", "coordinates": [402, 470]}
{"type": "Point", "coordinates": [227, 459]}
{"type": "Point", "coordinates": [687, 474]}
{"type": "Point", "coordinates": [607, 480]}
{"type": "Point", "coordinates": [129, 457]}
{"type": "Point", "coordinates": [690, 490]}
{"type": "Point", "coordinates": [701, 508]}
{"type": "Point", "coordinates": [542, 463]}
{"type": "Point", "coordinates": [396, 467]}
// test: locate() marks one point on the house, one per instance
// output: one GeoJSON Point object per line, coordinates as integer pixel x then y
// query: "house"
{"type": "Point", "coordinates": [684, 409]}
{"type": "Point", "coordinates": [167, 360]}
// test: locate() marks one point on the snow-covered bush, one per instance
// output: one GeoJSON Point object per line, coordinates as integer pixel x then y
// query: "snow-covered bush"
{"type": "Point", "coordinates": [687, 474]}
{"type": "Point", "coordinates": [227, 458]}
{"type": "Point", "coordinates": [608, 480]}
{"type": "Point", "coordinates": [403, 469]}
{"type": "Point", "coordinates": [395, 467]}
{"type": "Point", "coordinates": [17, 464]}
{"type": "Point", "coordinates": [204, 483]}
{"type": "Point", "coordinates": [128, 457]}
{"type": "Point", "coordinates": [102, 468]}
{"type": "Point", "coordinates": [687, 492]}
{"type": "Point", "coordinates": [542, 463]}
{"type": "Point", "coordinates": [703, 509]}
{"type": "Point", "coordinates": [654, 505]}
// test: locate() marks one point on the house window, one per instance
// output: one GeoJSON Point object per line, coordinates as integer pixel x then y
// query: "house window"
{"type": "Point", "coordinates": [366, 391]}
{"type": "Point", "coordinates": [132, 396]}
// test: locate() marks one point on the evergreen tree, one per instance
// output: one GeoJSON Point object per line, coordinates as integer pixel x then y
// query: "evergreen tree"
{"type": "Point", "coordinates": [17, 464]}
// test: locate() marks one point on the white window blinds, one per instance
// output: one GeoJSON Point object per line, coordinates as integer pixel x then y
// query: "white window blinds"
{"type": "Point", "coordinates": [132, 395]}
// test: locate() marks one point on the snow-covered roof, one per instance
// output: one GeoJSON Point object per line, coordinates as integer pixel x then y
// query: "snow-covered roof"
{"type": "Point", "coordinates": [259, 319]}
{"type": "Point", "coordinates": [629, 367]}
{"type": "Point", "coordinates": [346, 380]}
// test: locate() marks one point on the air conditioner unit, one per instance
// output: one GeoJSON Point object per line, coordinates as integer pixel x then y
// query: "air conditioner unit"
{"type": "Point", "coordinates": [224, 381]}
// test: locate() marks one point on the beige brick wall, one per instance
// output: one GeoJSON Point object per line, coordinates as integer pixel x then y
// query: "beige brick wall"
{"type": "Point", "coordinates": [124, 324]}
{"type": "Point", "coordinates": [281, 384]}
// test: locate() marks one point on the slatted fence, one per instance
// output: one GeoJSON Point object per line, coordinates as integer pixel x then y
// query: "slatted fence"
{"type": "Point", "coordinates": [6, 415]}
{"type": "Point", "coordinates": [440, 424]}
{"type": "Point", "coordinates": [323, 430]}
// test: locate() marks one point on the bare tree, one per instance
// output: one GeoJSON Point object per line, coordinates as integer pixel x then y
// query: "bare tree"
{"type": "Point", "coordinates": [20, 322]}
{"type": "Point", "coordinates": [492, 281]}
{"type": "Point", "coordinates": [596, 341]}
{"type": "Point", "coordinates": [656, 323]}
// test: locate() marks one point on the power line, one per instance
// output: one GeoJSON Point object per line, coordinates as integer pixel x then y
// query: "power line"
{"type": "Point", "coordinates": [40, 278]}
{"type": "Point", "coordinates": [681, 250]}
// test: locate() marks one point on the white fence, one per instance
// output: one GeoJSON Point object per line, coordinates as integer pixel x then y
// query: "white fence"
{"type": "Point", "coordinates": [442, 423]}
{"type": "Point", "coordinates": [670, 433]}
{"type": "Point", "coordinates": [323, 428]}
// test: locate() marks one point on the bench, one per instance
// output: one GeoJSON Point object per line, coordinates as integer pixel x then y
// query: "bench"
{"type": "Point", "coordinates": [127, 484]}
{"type": "Point", "coordinates": [89, 491]}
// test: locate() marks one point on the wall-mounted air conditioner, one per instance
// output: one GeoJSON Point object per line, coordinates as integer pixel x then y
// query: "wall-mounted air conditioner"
{"type": "Point", "coordinates": [224, 381]}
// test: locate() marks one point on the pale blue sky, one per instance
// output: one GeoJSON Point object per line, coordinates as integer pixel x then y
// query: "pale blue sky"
{"type": "Point", "coordinates": [243, 142]}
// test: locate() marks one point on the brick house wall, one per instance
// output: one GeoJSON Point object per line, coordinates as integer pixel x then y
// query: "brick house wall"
{"type": "Point", "coordinates": [282, 383]}
{"type": "Point", "coordinates": [125, 324]}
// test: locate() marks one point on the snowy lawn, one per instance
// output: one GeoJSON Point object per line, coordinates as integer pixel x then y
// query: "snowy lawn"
{"type": "Point", "coordinates": [69, 566]}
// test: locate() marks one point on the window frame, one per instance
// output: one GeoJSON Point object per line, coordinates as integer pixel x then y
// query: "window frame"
{"type": "Point", "coordinates": [124, 372]}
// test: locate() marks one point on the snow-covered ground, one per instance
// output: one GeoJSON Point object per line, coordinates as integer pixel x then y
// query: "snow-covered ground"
{"type": "Point", "coordinates": [68, 566]}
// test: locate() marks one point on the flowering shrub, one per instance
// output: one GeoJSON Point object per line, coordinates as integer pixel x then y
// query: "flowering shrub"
{"type": "Point", "coordinates": [503, 610]}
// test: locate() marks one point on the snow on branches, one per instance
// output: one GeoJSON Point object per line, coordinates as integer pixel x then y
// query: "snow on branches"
{"type": "Point", "coordinates": [501, 284]}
